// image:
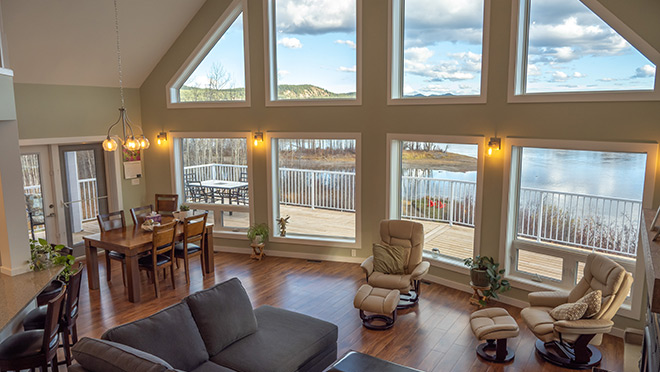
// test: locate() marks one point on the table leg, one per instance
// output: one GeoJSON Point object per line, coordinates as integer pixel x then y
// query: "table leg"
{"type": "Point", "coordinates": [92, 259]}
{"type": "Point", "coordinates": [209, 264]}
{"type": "Point", "coordinates": [133, 278]}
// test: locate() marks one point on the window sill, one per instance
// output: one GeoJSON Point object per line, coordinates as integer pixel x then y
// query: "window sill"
{"type": "Point", "coordinates": [219, 104]}
{"type": "Point", "coordinates": [317, 240]}
{"type": "Point", "coordinates": [444, 262]}
{"type": "Point", "coordinates": [314, 102]}
{"type": "Point", "coordinates": [454, 100]}
{"type": "Point", "coordinates": [6, 72]}
{"type": "Point", "coordinates": [230, 234]}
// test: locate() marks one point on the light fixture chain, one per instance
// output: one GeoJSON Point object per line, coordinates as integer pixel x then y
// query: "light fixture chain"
{"type": "Point", "coordinates": [121, 84]}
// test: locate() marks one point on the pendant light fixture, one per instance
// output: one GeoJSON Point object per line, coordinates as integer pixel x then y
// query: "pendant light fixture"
{"type": "Point", "coordinates": [128, 139]}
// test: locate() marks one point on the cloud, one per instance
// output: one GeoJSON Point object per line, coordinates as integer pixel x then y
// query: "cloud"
{"type": "Point", "coordinates": [290, 42]}
{"type": "Point", "coordinates": [418, 55]}
{"type": "Point", "coordinates": [471, 61]}
{"type": "Point", "coordinates": [350, 43]}
{"type": "Point", "coordinates": [533, 70]}
{"type": "Point", "coordinates": [347, 69]}
{"type": "Point", "coordinates": [578, 75]}
{"type": "Point", "coordinates": [644, 71]}
{"type": "Point", "coordinates": [558, 76]}
{"type": "Point", "coordinates": [431, 21]}
{"type": "Point", "coordinates": [313, 17]}
{"type": "Point", "coordinates": [459, 66]}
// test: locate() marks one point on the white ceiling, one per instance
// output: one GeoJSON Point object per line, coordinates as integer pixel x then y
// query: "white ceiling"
{"type": "Point", "coordinates": [72, 42]}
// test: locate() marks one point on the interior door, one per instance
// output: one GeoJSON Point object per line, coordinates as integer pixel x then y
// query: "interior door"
{"type": "Point", "coordinates": [84, 190]}
{"type": "Point", "coordinates": [38, 192]}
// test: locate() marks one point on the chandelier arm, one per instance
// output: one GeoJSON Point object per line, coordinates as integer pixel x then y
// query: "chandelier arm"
{"type": "Point", "coordinates": [113, 125]}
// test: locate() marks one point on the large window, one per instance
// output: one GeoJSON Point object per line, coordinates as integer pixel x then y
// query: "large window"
{"type": "Point", "coordinates": [563, 47]}
{"type": "Point", "coordinates": [435, 181]}
{"type": "Point", "coordinates": [216, 71]}
{"type": "Point", "coordinates": [212, 173]}
{"type": "Point", "coordinates": [315, 181]}
{"type": "Point", "coordinates": [314, 50]}
{"type": "Point", "coordinates": [437, 49]}
{"type": "Point", "coordinates": [565, 203]}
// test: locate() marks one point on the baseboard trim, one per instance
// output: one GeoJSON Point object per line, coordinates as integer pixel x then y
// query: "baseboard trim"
{"type": "Point", "coordinates": [466, 288]}
{"type": "Point", "coordinates": [304, 256]}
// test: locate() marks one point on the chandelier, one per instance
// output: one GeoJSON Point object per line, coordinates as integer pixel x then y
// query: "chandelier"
{"type": "Point", "coordinates": [127, 139]}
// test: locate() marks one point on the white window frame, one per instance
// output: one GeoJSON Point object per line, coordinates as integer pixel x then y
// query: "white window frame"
{"type": "Point", "coordinates": [270, 63]}
{"type": "Point", "coordinates": [508, 244]}
{"type": "Point", "coordinates": [518, 60]}
{"type": "Point", "coordinates": [273, 201]}
{"type": "Point", "coordinates": [176, 172]}
{"type": "Point", "coordinates": [395, 63]}
{"type": "Point", "coordinates": [199, 53]}
{"type": "Point", "coordinates": [393, 185]}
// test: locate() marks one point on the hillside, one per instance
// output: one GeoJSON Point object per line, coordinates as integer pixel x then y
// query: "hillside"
{"type": "Point", "coordinates": [303, 91]}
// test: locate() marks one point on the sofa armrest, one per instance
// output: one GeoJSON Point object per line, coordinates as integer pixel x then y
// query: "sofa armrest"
{"type": "Point", "coordinates": [421, 270]}
{"type": "Point", "coordinates": [368, 266]}
{"type": "Point", "coordinates": [547, 298]}
{"type": "Point", "coordinates": [583, 326]}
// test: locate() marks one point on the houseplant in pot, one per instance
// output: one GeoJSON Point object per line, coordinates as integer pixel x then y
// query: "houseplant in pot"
{"type": "Point", "coordinates": [479, 269]}
{"type": "Point", "coordinates": [258, 233]}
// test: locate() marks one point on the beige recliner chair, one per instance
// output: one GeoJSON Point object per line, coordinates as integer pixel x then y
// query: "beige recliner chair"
{"type": "Point", "coordinates": [567, 342]}
{"type": "Point", "coordinates": [407, 234]}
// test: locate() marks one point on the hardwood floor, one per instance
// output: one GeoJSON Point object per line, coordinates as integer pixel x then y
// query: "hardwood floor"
{"type": "Point", "coordinates": [435, 336]}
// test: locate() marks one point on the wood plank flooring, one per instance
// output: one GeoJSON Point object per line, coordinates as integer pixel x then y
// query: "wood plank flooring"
{"type": "Point", "coordinates": [435, 336]}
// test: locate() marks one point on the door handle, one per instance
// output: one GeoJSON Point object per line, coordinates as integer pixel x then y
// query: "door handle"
{"type": "Point", "coordinates": [51, 215]}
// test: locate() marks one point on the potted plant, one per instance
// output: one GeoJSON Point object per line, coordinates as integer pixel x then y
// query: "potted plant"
{"type": "Point", "coordinates": [478, 269]}
{"type": "Point", "coordinates": [45, 255]}
{"type": "Point", "coordinates": [183, 212]}
{"type": "Point", "coordinates": [258, 233]}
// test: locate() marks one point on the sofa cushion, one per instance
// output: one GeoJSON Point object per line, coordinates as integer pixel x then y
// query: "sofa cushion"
{"type": "Point", "coordinates": [106, 356]}
{"type": "Point", "coordinates": [285, 341]}
{"type": "Point", "coordinates": [170, 334]}
{"type": "Point", "coordinates": [223, 314]}
{"type": "Point", "coordinates": [593, 300]}
{"type": "Point", "coordinates": [211, 367]}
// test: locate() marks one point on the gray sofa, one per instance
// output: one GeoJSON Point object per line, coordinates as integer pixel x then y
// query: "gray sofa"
{"type": "Point", "coordinates": [213, 330]}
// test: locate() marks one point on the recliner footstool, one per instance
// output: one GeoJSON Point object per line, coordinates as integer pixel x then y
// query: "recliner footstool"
{"type": "Point", "coordinates": [495, 326]}
{"type": "Point", "coordinates": [381, 301]}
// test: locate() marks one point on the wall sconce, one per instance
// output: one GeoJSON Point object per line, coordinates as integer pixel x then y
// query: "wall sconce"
{"type": "Point", "coordinates": [495, 144]}
{"type": "Point", "coordinates": [258, 138]}
{"type": "Point", "coordinates": [161, 139]}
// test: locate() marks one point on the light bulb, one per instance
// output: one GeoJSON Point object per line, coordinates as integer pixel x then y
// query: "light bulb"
{"type": "Point", "coordinates": [109, 144]}
{"type": "Point", "coordinates": [132, 144]}
{"type": "Point", "coordinates": [256, 142]}
{"type": "Point", "coordinates": [490, 151]}
{"type": "Point", "coordinates": [144, 142]}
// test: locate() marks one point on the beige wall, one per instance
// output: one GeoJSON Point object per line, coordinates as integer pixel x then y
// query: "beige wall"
{"type": "Point", "coordinates": [613, 121]}
{"type": "Point", "coordinates": [55, 111]}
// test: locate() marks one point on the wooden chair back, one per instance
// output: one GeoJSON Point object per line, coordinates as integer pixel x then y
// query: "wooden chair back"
{"type": "Point", "coordinates": [111, 221]}
{"type": "Point", "coordinates": [163, 240]}
{"type": "Point", "coordinates": [167, 203]}
{"type": "Point", "coordinates": [52, 325]}
{"type": "Point", "coordinates": [194, 228]}
{"type": "Point", "coordinates": [139, 214]}
{"type": "Point", "coordinates": [72, 296]}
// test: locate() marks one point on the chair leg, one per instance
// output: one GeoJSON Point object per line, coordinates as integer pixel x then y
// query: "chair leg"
{"type": "Point", "coordinates": [201, 260]}
{"type": "Point", "coordinates": [66, 333]}
{"type": "Point", "coordinates": [177, 262]}
{"type": "Point", "coordinates": [44, 367]}
{"type": "Point", "coordinates": [155, 274]}
{"type": "Point", "coordinates": [186, 265]}
{"type": "Point", "coordinates": [172, 276]}
{"type": "Point", "coordinates": [123, 272]}
{"type": "Point", "coordinates": [74, 334]}
{"type": "Point", "coordinates": [108, 267]}
{"type": "Point", "coordinates": [54, 365]}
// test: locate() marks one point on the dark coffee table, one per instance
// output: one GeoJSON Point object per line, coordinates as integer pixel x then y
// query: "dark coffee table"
{"type": "Point", "coordinates": [358, 362]}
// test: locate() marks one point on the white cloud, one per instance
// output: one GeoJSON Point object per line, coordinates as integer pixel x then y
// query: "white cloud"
{"type": "Point", "coordinates": [432, 21]}
{"type": "Point", "coordinates": [460, 66]}
{"type": "Point", "coordinates": [315, 16]}
{"type": "Point", "coordinates": [578, 75]}
{"type": "Point", "coordinates": [645, 71]}
{"type": "Point", "coordinates": [350, 43]}
{"type": "Point", "coordinates": [533, 70]}
{"type": "Point", "coordinates": [290, 42]}
{"type": "Point", "coordinates": [418, 55]}
{"type": "Point", "coordinates": [347, 69]}
{"type": "Point", "coordinates": [558, 76]}
{"type": "Point", "coordinates": [471, 61]}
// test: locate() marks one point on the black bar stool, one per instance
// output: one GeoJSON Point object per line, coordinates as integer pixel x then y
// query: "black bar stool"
{"type": "Point", "coordinates": [36, 348]}
{"type": "Point", "coordinates": [36, 319]}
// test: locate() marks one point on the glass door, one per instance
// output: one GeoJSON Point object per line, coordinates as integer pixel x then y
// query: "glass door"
{"type": "Point", "coordinates": [38, 193]}
{"type": "Point", "coordinates": [84, 189]}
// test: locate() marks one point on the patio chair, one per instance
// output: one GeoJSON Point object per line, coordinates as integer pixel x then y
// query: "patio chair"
{"type": "Point", "coordinates": [35, 211]}
{"type": "Point", "coordinates": [194, 190]}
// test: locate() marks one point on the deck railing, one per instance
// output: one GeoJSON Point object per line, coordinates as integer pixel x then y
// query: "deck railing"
{"type": "Point", "coordinates": [88, 199]}
{"type": "Point", "coordinates": [587, 221]}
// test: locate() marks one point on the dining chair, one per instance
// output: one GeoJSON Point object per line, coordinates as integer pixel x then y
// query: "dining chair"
{"type": "Point", "coordinates": [35, 348]}
{"type": "Point", "coordinates": [162, 253]}
{"type": "Point", "coordinates": [194, 228]}
{"type": "Point", "coordinates": [139, 214]}
{"type": "Point", "coordinates": [36, 319]}
{"type": "Point", "coordinates": [166, 204]}
{"type": "Point", "coordinates": [108, 222]}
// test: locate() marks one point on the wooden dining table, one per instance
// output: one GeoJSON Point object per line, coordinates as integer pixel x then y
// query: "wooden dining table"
{"type": "Point", "coordinates": [132, 241]}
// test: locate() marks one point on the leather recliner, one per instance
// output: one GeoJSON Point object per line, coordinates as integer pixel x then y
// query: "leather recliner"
{"type": "Point", "coordinates": [407, 234]}
{"type": "Point", "coordinates": [567, 342]}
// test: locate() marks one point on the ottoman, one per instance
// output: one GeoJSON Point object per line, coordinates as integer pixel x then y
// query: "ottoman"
{"type": "Point", "coordinates": [494, 325]}
{"type": "Point", "coordinates": [380, 301]}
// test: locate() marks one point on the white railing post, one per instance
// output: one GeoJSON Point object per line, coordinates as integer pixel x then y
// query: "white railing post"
{"type": "Point", "coordinates": [451, 204]}
{"type": "Point", "coordinates": [540, 217]}
{"type": "Point", "coordinates": [313, 198]}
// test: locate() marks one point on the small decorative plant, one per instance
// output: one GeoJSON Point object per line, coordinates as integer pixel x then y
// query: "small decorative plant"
{"type": "Point", "coordinates": [261, 231]}
{"type": "Point", "coordinates": [44, 255]}
{"type": "Point", "coordinates": [184, 208]}
{"type": "Point", "coordinates": [283, 221]}
{"type": "Point", "coordinates": [485, 272]}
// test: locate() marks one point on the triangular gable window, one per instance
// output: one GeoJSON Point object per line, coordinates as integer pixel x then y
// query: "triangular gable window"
{"type": "Point", "coordinates": [568, 48]}
{"type": "Point", "coordinates": [216, 72]}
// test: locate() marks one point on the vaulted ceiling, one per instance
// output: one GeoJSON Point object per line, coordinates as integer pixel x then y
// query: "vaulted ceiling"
{"type": "Point", "coordinates": [72, 42]}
